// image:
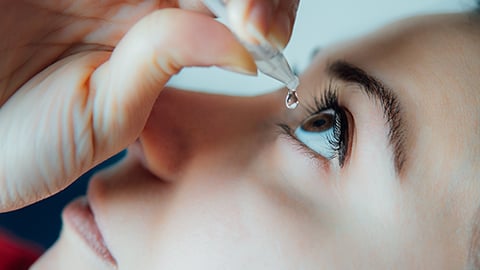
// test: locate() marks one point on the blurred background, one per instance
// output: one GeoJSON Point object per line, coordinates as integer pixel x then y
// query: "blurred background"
{"type": "Point", "coordinates": [319, 24]}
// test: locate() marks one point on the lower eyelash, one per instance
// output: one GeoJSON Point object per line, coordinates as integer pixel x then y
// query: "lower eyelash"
{"type": "Point", "coordinates": [287, 130]}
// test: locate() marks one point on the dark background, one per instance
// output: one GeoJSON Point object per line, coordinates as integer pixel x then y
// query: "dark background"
{"type": "Point", "coordinates": [40, 223]}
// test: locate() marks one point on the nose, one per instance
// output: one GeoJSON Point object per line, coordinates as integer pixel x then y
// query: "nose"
{"type": "Point", "coordinates": [212, 131]}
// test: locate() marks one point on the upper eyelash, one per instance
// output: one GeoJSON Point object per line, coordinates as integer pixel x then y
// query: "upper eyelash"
{"type": "Point", "coordinates": [328, 100]}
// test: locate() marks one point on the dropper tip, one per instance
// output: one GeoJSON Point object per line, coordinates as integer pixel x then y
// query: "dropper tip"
{"type": "Point", "coordinates": [293, 84]}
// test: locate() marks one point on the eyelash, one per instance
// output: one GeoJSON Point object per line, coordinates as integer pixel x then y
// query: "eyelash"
{"type": "Point", "coordinates": [339, 141]}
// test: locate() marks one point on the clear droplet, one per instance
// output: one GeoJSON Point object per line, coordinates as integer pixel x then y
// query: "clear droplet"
{"type": "Point", "coordinates": [291, 100]}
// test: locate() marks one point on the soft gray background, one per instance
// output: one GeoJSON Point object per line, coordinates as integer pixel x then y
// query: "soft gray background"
{"type": "Point", "coordinates": [319, 23]}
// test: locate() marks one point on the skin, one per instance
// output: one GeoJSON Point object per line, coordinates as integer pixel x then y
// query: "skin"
{"type": "Point", "coordinates": [73, 73]}
{"type": "Point", "coordinates": [213, 184]}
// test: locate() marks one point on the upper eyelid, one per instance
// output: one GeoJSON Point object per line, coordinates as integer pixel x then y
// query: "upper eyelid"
{"type": "Point", "coordinates": [379, 91]}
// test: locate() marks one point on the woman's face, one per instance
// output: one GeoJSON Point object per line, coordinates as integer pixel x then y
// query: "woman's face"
{"type": "Point", "coordinates": [376, 169]}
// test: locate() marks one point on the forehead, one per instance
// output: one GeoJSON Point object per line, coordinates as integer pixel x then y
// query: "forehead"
{"type": "Point", "coordinates": [433, 65]}
{"type": "Point", "coordinates": [440, 50]}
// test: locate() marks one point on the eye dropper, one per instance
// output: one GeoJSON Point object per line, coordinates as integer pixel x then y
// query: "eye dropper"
{"type": "Point", "coordinates": [269, 59]}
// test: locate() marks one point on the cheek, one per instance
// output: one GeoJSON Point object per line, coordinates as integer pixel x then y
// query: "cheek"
{"type": "Point", "coordinates": [261, 218]}
{"type": "Point", "coordinates": [240, 225]}
{"type": "Point", "coordinates": [373, 224]}
{"type": "Point", "coordinates": [370, 173]}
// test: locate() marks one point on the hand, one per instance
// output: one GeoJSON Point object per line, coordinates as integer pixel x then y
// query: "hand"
{"type": "Point", "coordinates": [78, 80]}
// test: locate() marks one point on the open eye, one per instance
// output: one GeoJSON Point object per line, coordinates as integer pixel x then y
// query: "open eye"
{"type": "Point", "coordinates": [325, 133]}
{"type": "Point", "coordinates": [320, 122]}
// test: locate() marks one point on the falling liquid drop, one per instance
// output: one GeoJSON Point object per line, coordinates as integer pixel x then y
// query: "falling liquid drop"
{"type": "Point", "coordinates": [291, 101]}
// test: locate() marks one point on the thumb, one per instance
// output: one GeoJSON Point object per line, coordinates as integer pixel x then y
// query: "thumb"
{"type": "Point", "coordinates": [87, 107]}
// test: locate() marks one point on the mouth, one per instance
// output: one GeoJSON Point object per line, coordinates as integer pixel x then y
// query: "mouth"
{"type": "Point", "coordinates": [79, 216]}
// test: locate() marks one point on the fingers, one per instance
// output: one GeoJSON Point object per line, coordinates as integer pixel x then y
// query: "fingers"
{"type": "Point", "coordinates": [45, 132]}
{"type": "Point", "coordinates": [257, 20]}
{"type": "Point", "coordinates": [129, 83]}
{"type": "Point", "coordinates": [85, 108]}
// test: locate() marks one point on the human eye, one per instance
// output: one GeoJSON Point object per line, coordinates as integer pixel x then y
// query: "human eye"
{"type": "Point", "coordinates": [325, 130]}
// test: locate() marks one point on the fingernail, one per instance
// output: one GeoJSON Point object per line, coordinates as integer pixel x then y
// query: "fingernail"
{"type": "Point", "coordinates": [240, 61]}
{"type": "Point", "coordinates": [281, 30]}
{"type": "Point", "coordinates": [259, 20]}
{"type": "Point", "coordinates": [242, 70]}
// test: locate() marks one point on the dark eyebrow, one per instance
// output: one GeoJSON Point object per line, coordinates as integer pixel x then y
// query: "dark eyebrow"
{"type": "Point", "coordinates": [376, 89]}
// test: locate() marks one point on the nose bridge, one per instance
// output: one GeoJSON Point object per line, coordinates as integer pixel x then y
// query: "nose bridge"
{"type": "Point", "coordinates": [214, 129]}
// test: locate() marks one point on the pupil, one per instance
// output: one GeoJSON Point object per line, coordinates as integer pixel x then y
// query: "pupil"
{"type": "Point", "coordinates": [318, 123]}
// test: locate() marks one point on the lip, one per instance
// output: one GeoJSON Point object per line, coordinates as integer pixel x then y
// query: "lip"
{"type": "Point", "coordinates": [79, 216]}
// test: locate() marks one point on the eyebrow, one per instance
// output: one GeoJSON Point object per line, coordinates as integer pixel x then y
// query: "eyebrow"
{"type": "Point", "coordinates": [376, 89]}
